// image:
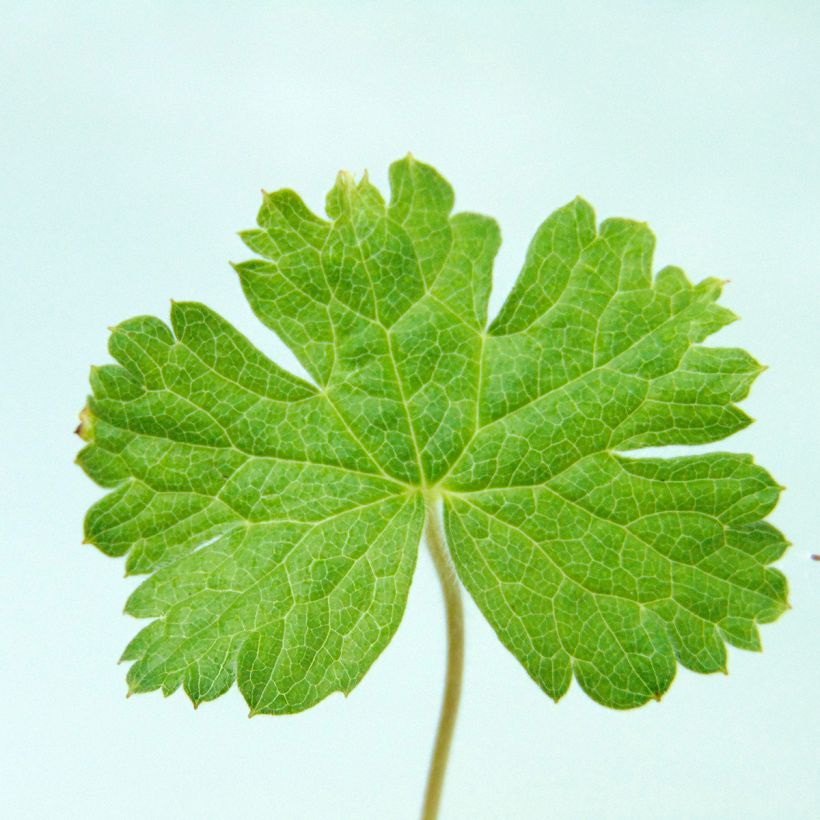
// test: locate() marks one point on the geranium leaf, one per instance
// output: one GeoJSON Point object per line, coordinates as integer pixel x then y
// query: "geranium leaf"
{"type": "Point", "coordinates": [278, 520]}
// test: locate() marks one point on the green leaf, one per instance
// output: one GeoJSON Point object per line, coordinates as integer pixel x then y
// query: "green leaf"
{"type": "Point", "coordinates": [278, 520]}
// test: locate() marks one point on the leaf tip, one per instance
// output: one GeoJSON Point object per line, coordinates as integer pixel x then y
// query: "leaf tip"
{"type": "Point", "coordinates": [344, 179]}
{"type": "Point", "coordinates": [85, 429]}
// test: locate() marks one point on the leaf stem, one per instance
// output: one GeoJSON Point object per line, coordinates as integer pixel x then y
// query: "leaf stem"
{"type": "Point", "coordinates": [455, 664]}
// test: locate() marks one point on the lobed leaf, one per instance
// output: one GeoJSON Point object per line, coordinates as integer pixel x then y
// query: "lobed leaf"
{"type": "Point", "coordinates": [278, 520]}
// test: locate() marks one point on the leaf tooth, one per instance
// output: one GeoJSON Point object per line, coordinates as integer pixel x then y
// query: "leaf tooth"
{"type": "Point", "coordinates": [345, 179]}
{"type": "Point", "coordinates": [85, 429]}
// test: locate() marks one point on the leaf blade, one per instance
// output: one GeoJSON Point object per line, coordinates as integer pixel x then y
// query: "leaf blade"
{"type": "Point", "coordinates": [277, 520]}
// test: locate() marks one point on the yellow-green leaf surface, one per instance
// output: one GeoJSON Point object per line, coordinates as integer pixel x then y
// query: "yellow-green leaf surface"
{"type": "Point", "coordinates": [278, 521]}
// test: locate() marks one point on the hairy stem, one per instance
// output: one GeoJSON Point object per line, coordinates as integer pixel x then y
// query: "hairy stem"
{"type": "Point", "coordinates": [455, 664]}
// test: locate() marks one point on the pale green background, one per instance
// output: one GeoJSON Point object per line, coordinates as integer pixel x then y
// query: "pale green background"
{"type": "Point", "coordinates": [134, 138]}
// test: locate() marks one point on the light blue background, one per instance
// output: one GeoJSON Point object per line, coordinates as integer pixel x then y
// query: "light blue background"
{"type": "Point", "coordinates": [134, 140]}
